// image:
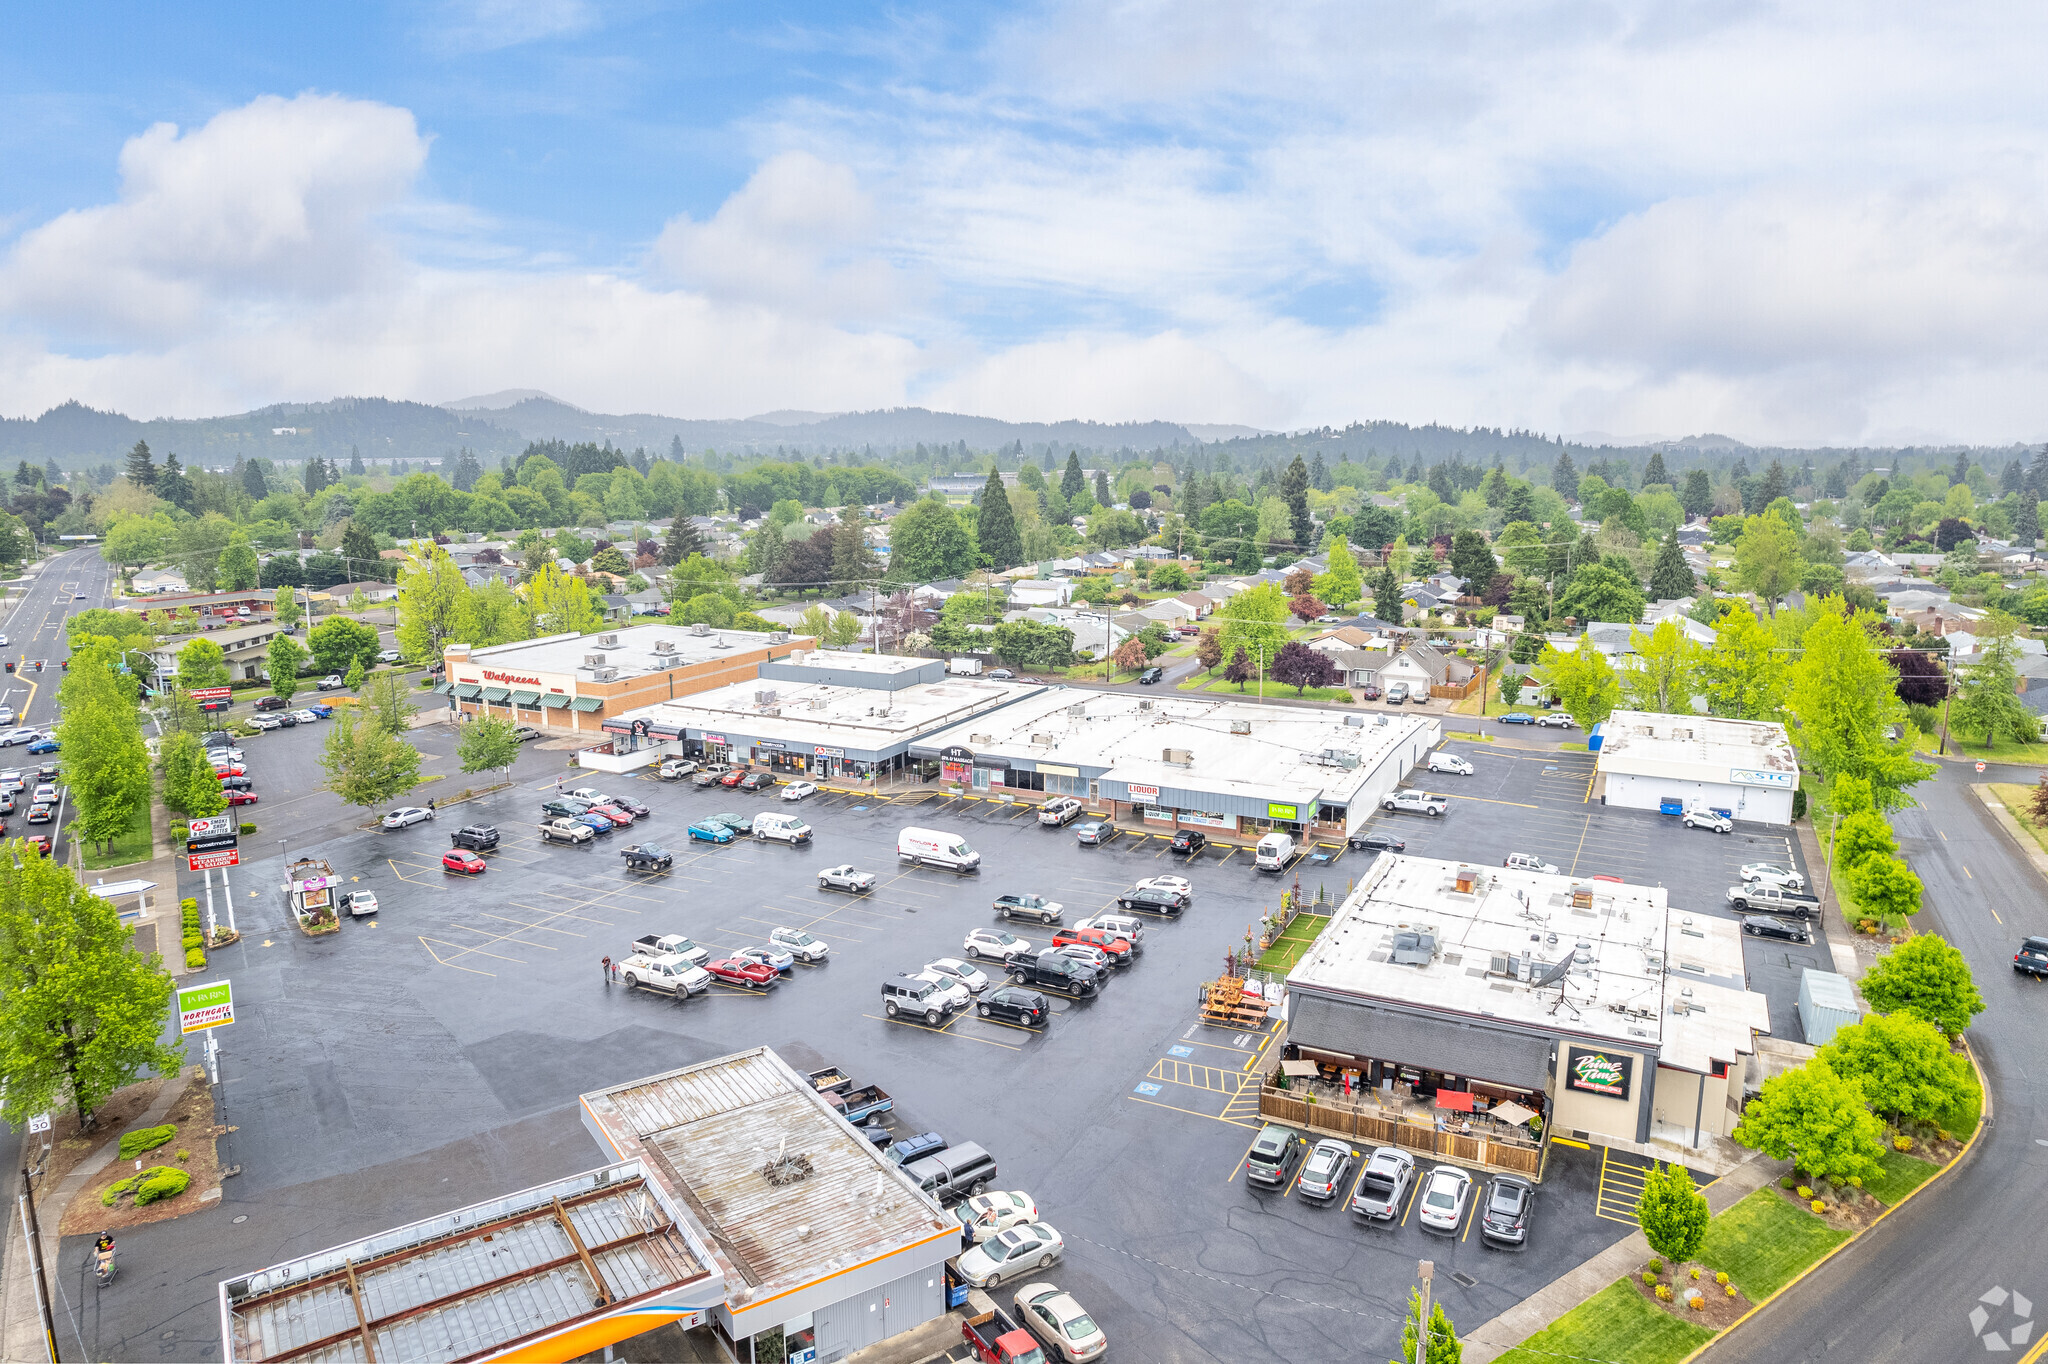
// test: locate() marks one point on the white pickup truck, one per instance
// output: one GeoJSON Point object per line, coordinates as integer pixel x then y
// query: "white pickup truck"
{"type": "Point", "coordinates": [566, 831]}
{"type": "Point", "coordinates": [671, 945]}
{"type": "Point", "coordinates": [1416, 802]}
{"type": "Point", "coordinates": [671, 973]}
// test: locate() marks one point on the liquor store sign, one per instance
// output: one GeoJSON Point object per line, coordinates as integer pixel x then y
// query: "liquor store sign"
{"type": "Point", "coordinates": [205, 1006]}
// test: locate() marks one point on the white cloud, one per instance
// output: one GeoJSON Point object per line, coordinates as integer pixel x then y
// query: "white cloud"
{"type": "Point", "coordinates": [487, 25]}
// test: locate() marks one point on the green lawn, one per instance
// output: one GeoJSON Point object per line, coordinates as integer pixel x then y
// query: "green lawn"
{"type": "Point", "coordinates": [1902, 1175]}
{"type": "Point", "coordinates": [2019, 800]}
{"type": "Point", "coordinates": [1287, 950]}
{"type": "Point", "coordinates": [1616, 1325]}
{"type": "Point", "coordinates": [131, 846]}
{"type": "Point", "coordinates": [1763, 1242]}
{"type": "Point", "coordinates": [2004, 751]}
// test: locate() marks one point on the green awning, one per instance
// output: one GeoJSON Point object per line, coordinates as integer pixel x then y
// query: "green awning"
{"type": "Point", "coordinates": [466, 691]}
{"type": "Point", "coordinates": [587, 703]}
{"type": "Point", "coordinates": [525, 698]}
{"type": "Point", "coordinates": [494, 695]}
{"type": "Point", "coordinates": [442, 689]}
{"type": "Point", "coordinates": [554, 700]}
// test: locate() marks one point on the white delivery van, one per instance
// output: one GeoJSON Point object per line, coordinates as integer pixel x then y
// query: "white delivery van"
{"type": "Point", "coordinates": [783, 828]}
{"type": "Point", "coordinates": [932, 848]}
{"type": "Point", "coordinates": [1274, 852]}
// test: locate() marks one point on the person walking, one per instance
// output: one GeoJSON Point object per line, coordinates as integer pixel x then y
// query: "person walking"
{"type": "Point", "coordinates": [608, 970]}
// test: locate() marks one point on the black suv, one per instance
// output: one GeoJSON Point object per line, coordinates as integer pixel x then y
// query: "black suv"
{"type": "Point", "coordinates": [271, 703]}
{"type": "Point", "coordinates": [2032, 957]}
{"type": "Point", "coordinates": [477, 837]}
{"type": "Point", "coordinates": [1274, 1157]}
{"type": "Point", "coordinates": [1506, 1218]}
{"type": "Point", "coordinates": [1150, 675]}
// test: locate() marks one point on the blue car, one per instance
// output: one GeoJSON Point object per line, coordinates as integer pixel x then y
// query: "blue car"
{"type": "Point", "coordinates": [43, 746]}
{"type": "Point", "coordinates": [1517, 717]}
{"type": "Point", "coordinates": [596, 823]}
{"type": "Point", "coordinates": [770, 956]}
{"type": "Point", "coordinates": [325, 712]}
{"type": "Point", "coordinates": [710, 831]}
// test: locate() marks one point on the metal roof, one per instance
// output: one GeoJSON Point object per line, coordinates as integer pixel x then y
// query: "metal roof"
{"type": "Point", "coordinates": [471, 1282]}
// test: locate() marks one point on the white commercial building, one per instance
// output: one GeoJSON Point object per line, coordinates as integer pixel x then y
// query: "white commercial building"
{"type": "Point", "coordinates": [1587, 1004]}
{"type": "Point", "coordinates": [1650, 761]}
{"type": "Point", "coordinates": [1172, 761]}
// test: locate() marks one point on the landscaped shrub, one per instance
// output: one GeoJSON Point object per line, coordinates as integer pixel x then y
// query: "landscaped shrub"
{"type": "Point", "coordinates": [183, 1154]}
{"type": "Point", "coordinates": [1729, 1287]}
{"type": "Point", "coordinates": [160, 1181]}
{"type": "Point", "coordinates": [1787, 1182]}
{"type": "Point", "coordinates": [1663, 1292]}
{"type": "Point", "coordinates": [248, 827]}
{"type": "Point", "coordinates": [1818, 1205]}
{"type": "Point", "coordinates": [1696, 1301]}
{"type": "Point", "coordinates": [1799, 803]}
{"type": "Point", "coordinates": [1721, 1278]}
{"type": "Point", "coordinates": [143, 1139]}
{"type": "Point", "coordinates": [1855, 1181]}
{"type": "Point", "coordinates": [1804, 1193]}
{"type": "Point", "coordinates": [1656, 1265]}
{"type": "Point", "coordinates": [1693, 1273]}
{"type": "Point", "coordinates": [195, 960]}
{"type": "Point", "coordinates": [1649, 1279]}
{"type": "Point", "coordinates": [1902, 1143]}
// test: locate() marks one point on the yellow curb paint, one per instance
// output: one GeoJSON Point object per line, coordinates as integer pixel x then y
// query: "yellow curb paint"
{"type": "Point", "coordinates": [1982, 1120]}
{"type": "Point", "coordinates": [1567, 1141]}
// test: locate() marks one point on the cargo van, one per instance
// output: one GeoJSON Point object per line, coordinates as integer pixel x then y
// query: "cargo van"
{"type": "Point", "coordinates": [932, 848]}
{"type": "Point", "coordinates": [783, 828]}
{"type": "Point", "coordinates": [1274, 852]}
{"type": "Point", "coordinates": [955, 1173]}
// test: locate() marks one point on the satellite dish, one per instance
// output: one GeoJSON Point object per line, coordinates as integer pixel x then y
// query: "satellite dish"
{"type": "Point", "coordinates": [1557, 972]}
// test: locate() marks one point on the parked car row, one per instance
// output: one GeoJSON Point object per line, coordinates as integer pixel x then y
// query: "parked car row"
{"type": "Point", "coordinates": [1385, 1187]}
{"type": "Point", "coordinates": [277, 717]}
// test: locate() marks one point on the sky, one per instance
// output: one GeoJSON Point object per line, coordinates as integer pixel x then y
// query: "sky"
{"type": "Point", "coordinates": [1815, 223]}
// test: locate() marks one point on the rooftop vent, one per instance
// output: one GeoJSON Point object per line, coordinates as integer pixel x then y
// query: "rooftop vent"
{"type": "Point", "coordinates": [1354, 721]}
{"type": "Point", "coordinates": [1413, 947]}
{"type": "Point", "coordinates": [609, 641]}
{"type": "Point", "coordinates": [1240, 726]}
{"type": "Point", "coordinates": [787, 1169]}
{"type": "Point", "coordinates": [1042, 740]}
{"type": "Point", "coordinates": [980, 738]}
{"type": "Point", "coordinates": [664, 646]}
{"type": "Point", "coordinates": [593, 660]}
{"type": "Point", "coordinates": [700, 629]}
{"type": "Point", "coordinates": [721, 642]}
{"type": "Point", "coordinates": [1179, 757]}
{"type": "Point", "coordinates": [604, 674]}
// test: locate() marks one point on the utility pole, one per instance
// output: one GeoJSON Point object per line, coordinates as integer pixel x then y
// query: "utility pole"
{"type": "Point", "coordinates": [1424, 1270]}
{"type": "Point", "coordinates": [34, 1232]}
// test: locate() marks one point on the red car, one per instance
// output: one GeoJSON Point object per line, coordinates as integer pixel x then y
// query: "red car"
{"type": "Point", "coordinates": [1118, 949]}
{"type": "Point", "coordinates": [618, 817]}
{"type": "Point", "coordinates": [241, 797]}
{"type": "Point", "coordinates": [468, 863]}
{"type": "Point", "coordinates": [230, 770]}
{"type": "Point", "coordinates": [738, 971]}
{"type": "Point", "coordinates": [40, 842]}
{"type": "Point", "coordinates": [732, 778]}
{"type": "Point", "coordinates": [756, 781]}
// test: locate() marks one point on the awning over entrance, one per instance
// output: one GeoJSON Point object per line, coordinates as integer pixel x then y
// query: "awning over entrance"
{"type": "Point", "coordinates": [495, 695]}
{"type": "Point", "coordinates": [587, 703]}
{"type": "Point", "coordinates": [466, 691]}
{"type": "Point", "coordinates": [1427, 1044]}
{"type": "Point", "coordinates": [525, 698]}
{"type": "Point", "coordinates": [554, 700]}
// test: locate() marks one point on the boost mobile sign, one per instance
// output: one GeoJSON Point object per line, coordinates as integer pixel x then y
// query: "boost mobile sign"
{"type": "Point", "coordinates": [1598, 1072]}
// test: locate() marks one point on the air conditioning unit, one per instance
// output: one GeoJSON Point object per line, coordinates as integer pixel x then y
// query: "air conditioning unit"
{"type": "Point", "coordinates": [1179, 757]}
{"type": "Point", "coordinates": [778, 636]}
{"type": "Point", "coordinates": [664, 646]}
{"type": "Point", "coordinates": [981, 738]}
{"type": "Point", "coordinates": [1240, 726]}
{"type": "Point", "coordinates": [593, 660]}
{"type": "Point", "coordinates": [663, 662]}
{"type": "Point", "coordinates": [765, 697]}
{"type": "Point", "coordinates": [604, 674]}
{"type": "Point", "coordinates": [1354, 721]}
{"type": "Point", "coordinates": [609, 641]}
{"type": "Point", "coordinates": [1042, 740]}
{"type": "Point", "coordinates": [1145, 704]}
{"type": "Point", "coordinates": [700, 629]}
{"type": "Point", "coordinates": [1077, 711]}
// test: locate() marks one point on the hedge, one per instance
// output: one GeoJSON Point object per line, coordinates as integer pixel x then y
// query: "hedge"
{"type": "Point", "coordinates": [143, 1139]}
{"type": "Point", "coordinates": [156, 1183]}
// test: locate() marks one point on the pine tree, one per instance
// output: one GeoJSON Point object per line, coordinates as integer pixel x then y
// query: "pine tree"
{"type": "Point", "coordinates": [141, 469]}
{"type": "Point", "coordinates": [1654, 471]}
{"type": "Point", "coordinates": [1564, 476]}
{"type": "Point", "coordinates": [359, 551]}
{"type": "Point", "coordinates": [355, 461]}
{"type": "Point", "coordinates": [1697, 497]}
{"type": "Point", "coordinates": [1776, 485]}
{"type": "Point", "coordinates": [683, 541]}
{"type": "Point", "coordinates": [1962, 470]}
{"type": "Point", "coordinates": [1319, 475]}
{"type": "Point", "coordinates": [1386, 596]}
{"type": "Point", "coordinates": [467, 471]}
{"type": "Point", "coordinates": [1102, 494]}
{"type": "Point", "coordinates": [996, 528]}
{"type": "Point", "coordinates": [852, 560]}
{"type": "Point", "coordinates": [2026, 525]}
{"type": "Point", "coordinates": [1073, 480]}
{"type": "Point", "coordinates": [1294, 492]}
{"type": "Point", "coordinates": [1671, 577]}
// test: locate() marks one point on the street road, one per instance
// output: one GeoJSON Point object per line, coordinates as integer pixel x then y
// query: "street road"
{"type": "Point", "coordinates": [34, 629]}
{"type": "Point", "coordinates": [1904, 1294]}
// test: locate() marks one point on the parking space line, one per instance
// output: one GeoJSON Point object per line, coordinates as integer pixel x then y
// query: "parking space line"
{"type": "Point", "coordinates": [428, 943]}
{"type": "Point", "coordinates": [1414, 1190]}
{"type": "Point", "coordinates": [1196, 1113]}
{"type": "Point", "coordinates": [944, 1028]}
{"type": "Point", "coordinates": [1189, 1075]}
{"type": "Point", "coordinates": [1472, 1213]}
{"type": "Point", "coordinates": [1240, 1160]}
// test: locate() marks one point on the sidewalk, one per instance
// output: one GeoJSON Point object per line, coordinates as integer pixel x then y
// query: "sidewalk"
{"type": "Point", "coordinates": [1492, 1339]}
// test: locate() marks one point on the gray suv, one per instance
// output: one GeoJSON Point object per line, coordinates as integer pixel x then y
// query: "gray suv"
{"type": "Point", "coordinates": [908, 995]}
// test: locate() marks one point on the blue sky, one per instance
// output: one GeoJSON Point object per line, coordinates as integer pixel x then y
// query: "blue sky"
{"type": "Point", "coordinates": [1809, 223]}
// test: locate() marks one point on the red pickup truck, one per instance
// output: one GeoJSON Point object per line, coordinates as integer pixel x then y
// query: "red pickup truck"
{"type": "Point", "coordinates": [1116, 947]}
{"type": "Point", "coordinates": [995, 1339]}
{"type": "Point", "coordinates": [739, 971]}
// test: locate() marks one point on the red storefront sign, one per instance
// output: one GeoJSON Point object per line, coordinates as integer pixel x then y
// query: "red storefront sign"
{"type": "Point", "coordinates": [211, 693]}
{"type": "Point", "coordinates": [214, 861]}
{"type": "Point", "coordinates": [490, 676]}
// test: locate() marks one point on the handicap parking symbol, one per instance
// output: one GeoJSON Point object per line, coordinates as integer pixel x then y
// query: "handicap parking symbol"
{"type": "Point", "coordinates": [1147, 1089]}
{"type": "Point", "coordinates": [1180, 1051]}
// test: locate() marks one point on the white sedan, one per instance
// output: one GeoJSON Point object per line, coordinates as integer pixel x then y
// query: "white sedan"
{"type": "Point", "coordinates": [797, 790]}
{"type": "Point", "coordinates": [19, 736]}
{"type": "Point", "coordinates": [799, 944]}
{"type": "Point", "coordinates": [1008, 1254]}
{"type": "Point", "coordinates": [959, 972]}
{"type": "Point", "coordinates": [266, 722]}
{"type": "Point", "coordinates": [408, 815]}
{"type": "Point", "coordinates": [306, 717]}
{"type": "Point", "coordinates": [1177, 885]}
{"type": "Point", "coordinates": [994, 942]}
{"type": "Point", "coordinates": [1773, 874]}
{"type": "Point", "coordinates": [985, 1215]}
{"type": "Point", "coordinates": [1444, 1198]}
{"type": "Point", "coordinates": [1554, 719]}
{"type": "Point", "coordinates": [846, 876]}
{"type": "Point", "coordinates": [1063, 1324]}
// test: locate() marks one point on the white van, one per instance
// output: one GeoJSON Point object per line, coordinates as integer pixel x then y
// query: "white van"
{"type": "Point", "coordinates": [783, 828]}
{"type": "Point", "coordinates": [932, 848]}
{"type": "Point", "coordinates": [1274, 852]}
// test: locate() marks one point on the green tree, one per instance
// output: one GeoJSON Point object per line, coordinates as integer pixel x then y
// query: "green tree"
{"type": "Point", "coordinates": [1511, 686]}
{"type": "Point", "coordinates": [141, 468]}
{"type": "Point", "coordinates": [1744, 675]}
{"type": "Point", "coordinates": [1927, 976]}
{"type": "Point", "coordinates": [1601, 592]}
{"type": "Point", "coordinates": [996, 528]}
{"type": "Point", "coordinates": [1767, 558]}
{"type": "Point", "coordinates": [1472, 560]}
{"type": "Point", "coordinates": [852, 561]}
{"type": "Point", "coordinates": [1585, 682]}
{"type": "Point", "coordinates": [561, 603]}
{"type": "Point", "coordinates": [1666, 674]}
{"type": "Point", "coordinates": [385, 705]}
{"type": "Point", "coordinates": [1987, 689]}
{"type": "Point", "coordinates": [487, 743]}
{"type": "Point", "coordinates": [359, 552]}
{"type": "Point", "coordinates": [1863, 833]}
{"type": "Point", "coordinates": [683, 541]}
{"type": "Point", "coordinates": [237, 570]}
{"type": "Point", "coordinates": [928, 544]}
{"type": "Point", "coordinates": [1341, 584]}
{"type": "Point", "coordinates": [190, 786]}
{"type": "Point", "coordinates": [202, 663]}
{"type": "Point", "coordinates": [1256, 621]}
{"type": "Point", "coordinates": [1670, 576]}
{"type": "Point", "coordinates": [1903, 1065]}
{"type": "Point", "coordinates": [1673, 1212]}
{"type": "Point", "coordinates": [339, 644]}
{"type": "Point", "coordinates": [106, 763]}
{"type": "Point", "coordinates": [611, 560]}
{"type": "Point", "coordinates": [366, 766]}
{"type": "Point", "coordinates": [81, 1013]}
{"type": "Point", "coordinates": [1386, 596]}
{"type": "Point", "coordinates": [433, 604]}
{"type": "Point", "coordinates": [846, 629]}
{"type": "Point", "coordinates": [288, 612]}
{"type": "Point", "coordinates": [1073, 480]}
{"type": "Point", "coordinates": [1294, 492]}
{"type": "Point", "coordinates": [1817, 1120]}
{"type": "Point", "coordinates": [353, 678]}
{"type": "Point", "coordinates": [1842, 699]}
{"type": "Point", "coordinates": [1444, 1345]}
{"type": "Point", "coordinates": [706, 608]}
{"type": "Point", "coordinates": [282, 664]}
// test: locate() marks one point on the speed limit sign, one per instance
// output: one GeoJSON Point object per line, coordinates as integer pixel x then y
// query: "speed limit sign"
{"type": "Point", "coordinates": [1980, 767]}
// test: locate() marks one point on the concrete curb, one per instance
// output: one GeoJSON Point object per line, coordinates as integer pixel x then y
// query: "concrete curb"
{"type": "Point", "coordinates": [2011, 825]}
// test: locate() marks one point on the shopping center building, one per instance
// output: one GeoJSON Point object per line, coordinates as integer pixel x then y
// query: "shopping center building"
{"type": "Point", "coordinates": [1648, 761]}
{"type": "Point", "coordinates": [1168, 762]}
{"type": "Point", "coordinates": [571, 684]}
{"type": "Point", "coordinates": [1508, 1005]}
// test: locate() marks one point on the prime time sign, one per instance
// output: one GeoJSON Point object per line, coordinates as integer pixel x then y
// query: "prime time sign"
{"type": "Point", "coordinates": [1606, 1073]}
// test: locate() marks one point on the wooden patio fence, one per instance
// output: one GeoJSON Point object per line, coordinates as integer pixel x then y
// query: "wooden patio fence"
{"type": "Point", "coordinates": [1383, 1129]}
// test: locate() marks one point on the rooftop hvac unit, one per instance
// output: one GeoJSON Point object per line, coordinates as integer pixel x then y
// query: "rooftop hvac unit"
{"type": "Point", "coordinates": [1354, 721]}
{"type": "Point", "coordinates": [664, 646]}
{"type": "Point", "coordinates": [593, 660]}
{"type": "Point", "coordinates": [778, 636]}
{"type": "Point", "coordinates": [820, 702]}
{"type": "Point", "coordinates": [1145, 704]}
{"type": "Point", "coordinates": [773, 711]}
{"type": "Point", "coordinates": [1179, 757]}
{"type": "Point", "coordinates": [1078, 711]}
{"type": "Point", "coordinates": [700, 629]}
{"type": "Point", "coordinates": [609, 641]}
{"type": "Point", "coordinates": [1042, 740]}
{"type": "Point", "coordinates": [604, 674]}
{"type": "Point", "coordinates": [765, 697]}
{"type": "Point", "coordinates": [662, 662]}
{"type": "Point", "coordinates": [981, 738]}
{"type": "Point", "coordinates": [1240, 726]}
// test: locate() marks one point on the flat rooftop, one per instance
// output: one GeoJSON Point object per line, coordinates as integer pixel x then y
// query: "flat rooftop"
{"type": "Point", "coordinates": [810, 713]}
{"type": "Point", "coordinates": [1699, 747]}
{"type": "Point", "coordinates": [633, 653]}
{"type": "Point", "coordinates": [1242, 749]}
{"type": "Point", "coordinates": [711, 1131]}
{"type": "Point", "coordinates": [1472, 940]}
{"type": "Point", "coordinates": [472, 1281]}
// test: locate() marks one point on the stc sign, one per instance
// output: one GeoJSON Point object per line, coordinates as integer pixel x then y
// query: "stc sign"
{"type": "Point", "coordinates": [490, 676]}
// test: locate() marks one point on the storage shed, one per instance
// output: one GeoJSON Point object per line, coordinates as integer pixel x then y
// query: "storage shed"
{"type": "Point", "coordinates": [1826, 1002]}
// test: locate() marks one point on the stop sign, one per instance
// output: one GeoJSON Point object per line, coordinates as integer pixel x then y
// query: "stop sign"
{"type": "Point", "coordinates": [1980, 767]}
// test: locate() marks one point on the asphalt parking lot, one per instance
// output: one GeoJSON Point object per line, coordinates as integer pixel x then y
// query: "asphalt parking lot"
{"type": "Point", "coordinates": [431, 1056]}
